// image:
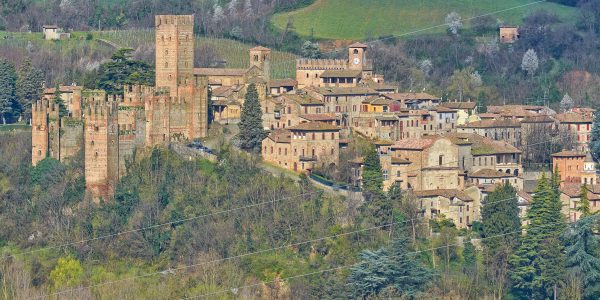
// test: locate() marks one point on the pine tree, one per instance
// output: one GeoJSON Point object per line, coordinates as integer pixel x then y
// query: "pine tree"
{"type": "Point", "coordinates": [388, 267]}
{"type": "Point", "coordinates": [595, 138]}
{"type": "Point", "coordinates": [58, 100]}
{"type": "Point", "coordinates": [537, 263]}
{"type": "Point", "coordinates": [251, 126]}
{"type": "Point", "coordinates": [29, 86]}
{"type": "Point", "coordinates": [582, 258]}
{"type": "Point", "coordinates": [372, 175]}
{"type": "Point", "coordinates": [9, 105]}
{"type": "Point", "coordinates": [500, 219]}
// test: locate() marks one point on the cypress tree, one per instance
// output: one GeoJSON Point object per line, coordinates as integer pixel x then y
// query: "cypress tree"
{"type": "Point", "coordinates": [251, 126]}
{"type": "Point", "coordinates": [537, 264]}
{"type": "Point", "coordinates": [595, 138]}
{"type": "Point", "coordinates": [9, 105]}
{"type": "Point", "coordinates": [29, 86]}
{"type": "Point", "coordinates": [58, 100]}
{"type": "Point", "coordinates": [501, 222]}
{"type": "Point", "coordinates": [581, 251]}
{"type": "Point", "coordinates": [584, 202]}
{"type": "Point", "coordinates": [372, 175]}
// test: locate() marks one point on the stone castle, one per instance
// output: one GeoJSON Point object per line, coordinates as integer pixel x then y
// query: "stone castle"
{"type": "Point", "coordinates": [109, 128]}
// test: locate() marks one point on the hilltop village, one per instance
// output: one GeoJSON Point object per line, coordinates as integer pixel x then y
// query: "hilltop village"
{"type": "Point", "coordinates": [450, 154]}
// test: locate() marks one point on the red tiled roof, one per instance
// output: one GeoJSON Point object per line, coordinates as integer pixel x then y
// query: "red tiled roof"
{"type": "Point", "coordinates": [489, 173]}
{"type": "Point", "coordinates": [283, 82]}
{"type": "Point", "coordinates": [573, 189]}
{"type": "Point", "coordinates": [459, 105]}
{"type": "Point", "coordinates": [410, 96]}
{"type": "Point", "coordinates": [492, 123]}
{"type": "Point", "coordinates": [446, 193]}
{"type": "Point", "coordinates": [281, 136]}
{"type": "Point", "coordinates": [568, 153]}
{"type": "Point", "coordinates": [574, 118]}
{"type": "Point", "coordinates": [357, 45]}
{"type": "Point", "coordinates": [413, 144]}
{"type": "Point", "coordinates": [260, 48]}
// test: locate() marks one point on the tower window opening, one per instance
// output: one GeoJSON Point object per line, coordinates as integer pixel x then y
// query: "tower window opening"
{"type": "Point", "coordinates": [355, 51]}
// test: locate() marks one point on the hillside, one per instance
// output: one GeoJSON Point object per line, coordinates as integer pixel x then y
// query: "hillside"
{"type": "Point", "coordinates": [358, 19]}
{"type": "Point", "coordinates": [68, 61]}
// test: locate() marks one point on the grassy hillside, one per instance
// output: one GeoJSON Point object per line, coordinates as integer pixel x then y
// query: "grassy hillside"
{"type": "Point", "coordinates": [234, 53]}
{"type": "Point", "coordinates": [358, 19]}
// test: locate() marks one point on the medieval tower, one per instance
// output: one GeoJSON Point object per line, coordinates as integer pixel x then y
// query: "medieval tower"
{"type": "Point", "coordinates": [174, 51]}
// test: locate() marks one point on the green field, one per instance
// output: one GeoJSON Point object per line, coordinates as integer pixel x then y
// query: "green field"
{"type": "Point", "coordinates": [359, 19]}
{"type": "Point", "coordinates": [235, 53]}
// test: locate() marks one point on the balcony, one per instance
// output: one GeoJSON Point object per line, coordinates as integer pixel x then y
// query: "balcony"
{"type": "Point", "coordinates": [308, 158]}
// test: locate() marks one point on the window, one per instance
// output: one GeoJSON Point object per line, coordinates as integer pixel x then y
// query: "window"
{"type": "Point", "coordinates": [441, 160]}
{"type": "Point", "coordinates": [255, 57]}
{"type": "Point", "coordinates": [323, 135]}
{"type": "Point", "coordinates": [306, 75]}
{"type": "Point", "coordinates": [333, 135]}
{"type": "Point", "coordinates": [355, 51]}
{"type": "Point", "coordinates": [332, 150]}
{"type": "Point", "coordinates": [385, 175]}
{"type": "Point", "coordinates": [313, 137]}
{"type": "Point", "coordinates": [285, 152]}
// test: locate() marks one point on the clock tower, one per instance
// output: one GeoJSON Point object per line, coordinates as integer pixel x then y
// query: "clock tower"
{"type": "Point", "coordinates": [357, 56]}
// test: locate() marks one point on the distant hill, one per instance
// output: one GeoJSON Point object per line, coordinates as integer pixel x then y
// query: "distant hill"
{"type": "Point", "coordinates": [358, 19]}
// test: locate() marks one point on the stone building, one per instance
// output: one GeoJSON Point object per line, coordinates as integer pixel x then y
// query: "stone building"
{"type": "Point", "coordinates": [509, 34]}
{"type": "Point", "coordinates": [53, 33]}
{"type": "Point", "coordinates": [497, 129]}
{"type": "Point", "coordinates": [462, 207]}
{"type": "Point", "coordinates": [570, 196]}
{"type": "Point", "coordinates": [109, 128]}
{"type": "Point", "coordinates": [579, 125]}
{"type": "Point", "coordinates": [303, 147]}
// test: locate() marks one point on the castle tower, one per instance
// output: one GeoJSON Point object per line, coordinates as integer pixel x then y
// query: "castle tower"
{"type": "Point", "coordinates": [261, 58]}
{"type": "Point", "coordinates": [101, 137]}
{"type": "Point", "coordinates": [39, 131]}
{"type": "Point", "coordinates": [357, 56]}
{"type": "Point", "coordinates": [174, 51]}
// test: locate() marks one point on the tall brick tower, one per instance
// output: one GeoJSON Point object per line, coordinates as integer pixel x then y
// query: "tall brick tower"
{"type": "Point", "coordinates": [357, 56]}
{"type": "Point", "coordinates": [261, 57]}
{"type": "Point", "coordinates": [174, 51]}
{"type": "Point", "coordinates": [101, 136]}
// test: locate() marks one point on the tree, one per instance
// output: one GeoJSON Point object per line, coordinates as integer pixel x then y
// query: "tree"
{"type": "Point", "coordinates": [372, 176]}
{"type": "Point", "coordinates": [388, 268]}
{"type": "Point", "coordinates": [251, 126]}
{"type": "Point", "coordinates": [454, 22]}
{"type": "Point", "coordinates": [536, 265]}
{"type": "Point", "coordinates": [582, 257]}
{"type": "Point", "coordinates": [530, 62]}
{"type": "Point", "coordinates": [566, 103]}
{"type": "Point", "coordinates": [584, 202]}
{"type": "Point", "coordinates": [465, 84]}
{"type": "Point", "coordinates": [121, 70]}
{"type": "Point", "coordinates": [500, 219]}
{"type": "Point", "coordinates": [67, 273]}
{"type": "Point", "coordinates": [310, 50]}
{"type": "Point", "coordinates": [58, 100]}
{"type": "Point", "coordinates": [595, 138]}
{"type": "Point", "coordinates": [30, 84]}
{"type": "Point", "coordinates": [9, 105]}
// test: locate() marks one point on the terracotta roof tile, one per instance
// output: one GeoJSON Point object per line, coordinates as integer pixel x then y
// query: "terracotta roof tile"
{"type": "Point", "coordinates": [459, 105]}
{"type": "Point", "coordinates": [319, 117]}
{"type": "Point", "coordinates": [568, 153]}
{"type": "Point", "coordinates": [283, 82]}
{"type": "Point", "coordinates": [446, 193]}
{"type": "Point", "coordinates": [281, 136]}
{"type": "Point", "coordinates": [357, 45]}
{"type": "Point", "coordinates": [492, 123]}
{"type": "Point", "coordinates": [413, 144]}
{"type": "Point", "coordinates": [490, 173]}
{"type": "Point", "coordinates": [260, 48]}
{"type": "Point", "coordinates": [574, 118]}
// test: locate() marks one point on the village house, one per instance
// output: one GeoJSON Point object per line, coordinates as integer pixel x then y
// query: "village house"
{"type": "Point", "coordinates": [303, 147]}
{"type": "Point", "coordinates": [287, 110]}
{"type": "Point", "coordinates": [464, 111]}
{"type": "Point", "coordinates": [508, 34]}
{"type": "Point", "coordinates": [413, 100]}
{"type": "Point", "coordinates": [519, 112]}
{"type": "Point", "coordinates": [282, 86]}
{"type": "Point", "coordinates": [579, 125]}
{"type": "Point", "coordinates": [570, 196]}
{"type": "Point", "coordinates": [574, 168]}
{"type": "Point", "coordinates": [497, 129]}
{"type": "Point", "coordinates": [54, 33]}
{"type": "Point", "coordinates": [462, 207]}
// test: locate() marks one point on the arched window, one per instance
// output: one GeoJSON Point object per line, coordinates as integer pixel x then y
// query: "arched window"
{"type": "Point", "coordinates": [355, 51]}
{"type": "Point", "coordinates": [166, 64]}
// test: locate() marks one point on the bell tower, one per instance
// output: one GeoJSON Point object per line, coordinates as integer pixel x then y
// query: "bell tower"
{"type": "Point", "coordinates": [261, 57]}
{"type": "Point", "coordinates": [357, 55]}
{"type": "Point", "coordinates": [174, 51]}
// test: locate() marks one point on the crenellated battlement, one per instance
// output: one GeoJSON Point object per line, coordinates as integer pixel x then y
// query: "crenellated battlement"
{"type": "Point", "coordinates": [321, 64]}
{"type": "Point", "coordinates": [173, 20]}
